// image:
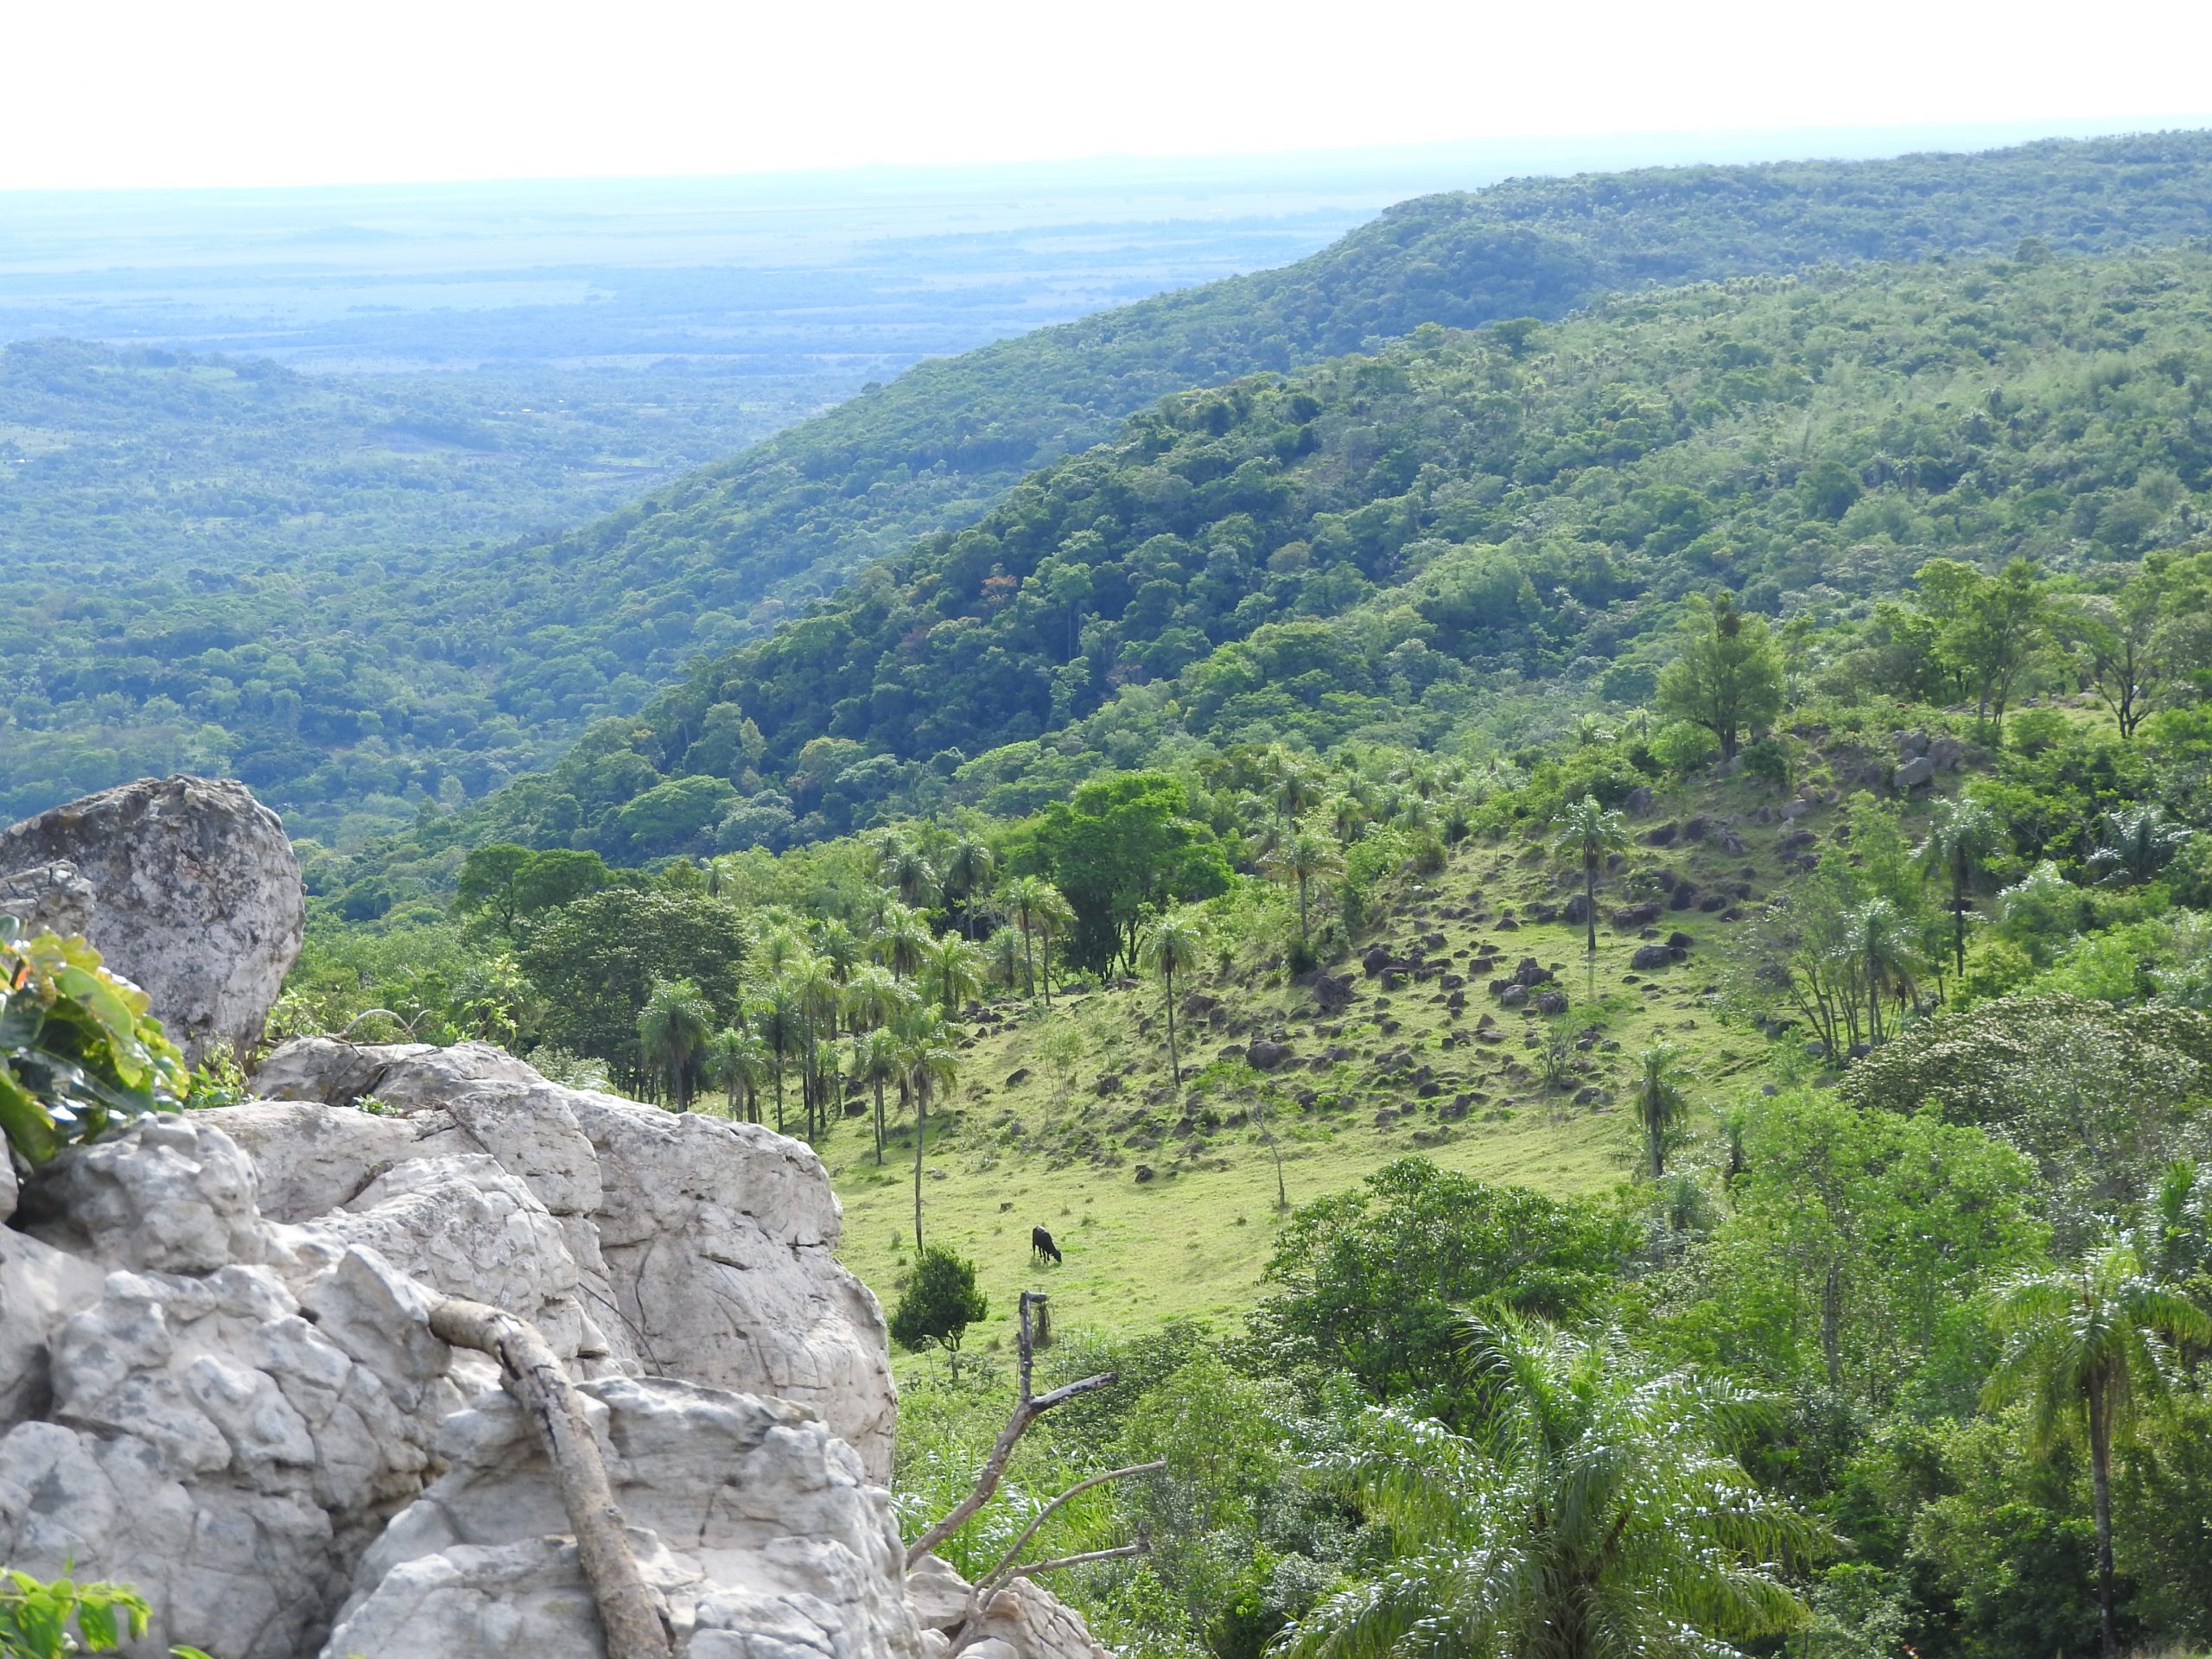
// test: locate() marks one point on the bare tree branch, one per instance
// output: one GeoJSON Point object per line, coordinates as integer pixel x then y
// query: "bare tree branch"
{"type": "Point", "coordinates": [535, 1377]}
{"type": "Point", "coordinates": [1026, 1410]}
{"type": "Point", "coordinates": [998, 1575]}
{"type": "Point", "coordinates": [1120, 1552]}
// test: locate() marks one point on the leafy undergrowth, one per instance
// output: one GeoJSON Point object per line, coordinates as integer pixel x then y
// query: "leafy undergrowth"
{"type": "Point", "coordinates": [1164, 1202]}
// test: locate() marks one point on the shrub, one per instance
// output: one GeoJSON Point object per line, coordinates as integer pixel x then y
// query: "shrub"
{"type": "Point", "coordinates": [939, 1304]}
{"type": "Point", "coordinates": [35, 1619]}
{"type": "Point", "coordinates": [77, 1050]}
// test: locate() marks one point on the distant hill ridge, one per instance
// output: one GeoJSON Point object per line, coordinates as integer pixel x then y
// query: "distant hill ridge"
{"type": "Point", "coordinates": [797, 513]}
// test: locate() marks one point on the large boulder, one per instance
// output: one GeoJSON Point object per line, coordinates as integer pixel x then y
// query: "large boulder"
{"type": "Point", "coordinates": [194, 894]}
{"type": "Point", "coordinates": [757, 1526]}
{"type": "Point", "coordinates": [701, 1249]}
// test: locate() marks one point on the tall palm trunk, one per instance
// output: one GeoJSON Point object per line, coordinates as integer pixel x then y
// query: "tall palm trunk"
{"type": "Point", "coordinates": [1589, 899]}
{"type": "Point", "coordinates": [779, 1100]}
{"type": "Point", "coordinates": [878, 1122]}
{"type": "Point", "coordinates": [1174, 1062]}
{"type": "Point", "coordinates": [2101, 1489]}
{"type": "Point", "coordinates": [921, 1128]}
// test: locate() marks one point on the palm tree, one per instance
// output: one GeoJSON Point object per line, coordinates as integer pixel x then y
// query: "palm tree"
{"type": "Point", "coordinates": [2086, 1344]}
{"type": "Point", "coordinates": [1596, 1512]}
{"type": "Point", "coordinates": [782, 1030]}
{"type": "Point", "coordinates": [2139, 845]}
{"type": "Point", "coordinates": [1662, 1101]}
{"type": "Point", "coordinates": [1003, 951]}
{"type": "Point", "coordinates": [903, 942]}
{"type": "Point", "coordinates": [1585, 830]}
{"type": "Point", "coordinates": [1883, 955]}
{"type": "Point", "coordinates": [1293, 791]}
{"type": "Point", "coordinates": [907, 872]}
{"type": "Point", "coordinates": [1052, 917]}
{"type": "Point", "coordinates": [954, 972]}
{"type": "Point", "coordinates": [838, 947]}
{"type": "Point", "coordinates": [1964, 834]}
{"type": "Point", "coordinates": [928, 1061]}
{"type": "Point", "coordinates": [736, 1063]}
{"type": "Point", "coordinates": [874, 998]}
{"type": "Point", "coordinates": [1172, 946]}
{"type": "Point", "coordinates": [967, 872]}
{"type": "Point", "coordinates": [1021, 899]}
{"type": "Point", "coordinates": [820, 1000]}
{"type": "Point", "coordinates": [876, 1061]}
{"type": "Point", "coordinates": [673, 1030]}
{"type": "Point", "coordinates": [1300, 861]}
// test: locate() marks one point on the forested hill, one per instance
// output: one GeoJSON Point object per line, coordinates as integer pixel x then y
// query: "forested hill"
{"type": "Point", "coordinates": [1459, 541]}
{"type": "Point", "coordinates": [797, 513]}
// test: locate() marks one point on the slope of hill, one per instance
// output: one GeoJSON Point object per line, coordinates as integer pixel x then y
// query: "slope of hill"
{"type": "Point", "coordinates": [1415, 545]}
{"type": "Point", "coordinates": [476, 669]}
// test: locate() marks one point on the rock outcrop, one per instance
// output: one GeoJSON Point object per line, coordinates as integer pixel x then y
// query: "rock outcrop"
{"type": "Point", "coordinates": [218, 1380]}
{"type": "Point", "coordinates": [187, 886]}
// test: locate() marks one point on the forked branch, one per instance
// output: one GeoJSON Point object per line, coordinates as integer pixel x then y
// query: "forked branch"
{"type": "Point", "coordinates": [1026, 1410]}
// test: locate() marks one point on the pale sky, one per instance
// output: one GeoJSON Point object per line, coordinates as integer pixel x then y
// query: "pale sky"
{"type": "Point", "coordinates": [124, 92]}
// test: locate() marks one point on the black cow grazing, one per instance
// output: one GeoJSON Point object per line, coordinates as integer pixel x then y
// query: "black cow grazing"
{"type": "Point", "coordinates": [1041, 1245]}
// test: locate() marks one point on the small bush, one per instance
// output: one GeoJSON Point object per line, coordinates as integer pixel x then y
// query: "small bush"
{"type": "Point", "coordinates": [77, 1050]}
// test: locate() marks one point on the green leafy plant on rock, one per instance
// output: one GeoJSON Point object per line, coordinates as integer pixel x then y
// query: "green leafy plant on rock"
{"type": "Point", "coordinates": [79, 1051]}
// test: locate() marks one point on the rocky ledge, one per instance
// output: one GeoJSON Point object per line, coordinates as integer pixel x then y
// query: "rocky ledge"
{"type": "Point", "coordinates": [218, 1377]}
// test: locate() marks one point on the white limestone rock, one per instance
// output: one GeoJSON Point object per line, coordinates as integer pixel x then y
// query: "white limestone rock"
{"type": "Point", "coordinates": [167, 1193]}
{"type": "Point", "coordinates": [758, 1527]}
{"type": "Point", "coordinates": [206, 1441]}
{"type": "Point", "coordinates": [699, 1248]}
{"type": "Point", "coordinates": [195, 897]}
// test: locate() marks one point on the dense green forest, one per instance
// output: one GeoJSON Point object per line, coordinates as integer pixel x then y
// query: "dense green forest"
{"type": "Point", "coordinates": [1460, 543]}
{"type": "Point", "coordinates": [224, 565]}
{"type": "Point", "coordinates": [455, 672]}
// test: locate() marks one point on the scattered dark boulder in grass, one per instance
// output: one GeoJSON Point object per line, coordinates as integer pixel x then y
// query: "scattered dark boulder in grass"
{"type": "Point", "coordinates": [1638, 800]}
{"type": "Point", "coordinates": [1375, 959]}
{"type": "Point", "coordinates": [1016, 1078]}
{"type": "Point", "coordinates": [1543, 913]}
{"type": "Point", "coordinates": [1917, 773]}
{"type": "Point", "coordinates": [1730, 842]}
{"type": "Point", "coordinates": [1144, 1172]}
{"type": "Point", "coordinates": [1630, 916]}
{"type": "Point", "coordinates": [1649, 957]}
{"type": "Point", "coordinates": [1108, 1084]}
{"type": "Point", "coordinates": [1431, 941]}
{"type": "Point", "coordinates": [1947, 754]}
{"type": "Point", "coordinates": [1264, 1055]}
{"type": "Point", "coordinates": [1713, 901]}
{"type": "Point", "coordinates": [1331, 992]}
{"type": "Point", "coordinates": [1589, 1094]}
{"type": "Point", "coordinates": [1694, 829]}
{"type": "Point", "coordinates": [1514, 996]}
{"type": "Point", "coordinates": [1578, 909]}
{"type": "Point", "coordinates": [1795, 839]}
{"type": "Point", "coordinates": [1551, 1002]}
{"type": "Point", "coordinates": [1663, 836]}
{"type": "Point", "coordinates": [1731, 914]}
{"type": "Point", "coordinates": [1429, 1090]}
{"type": "Point", "coordinates": [1678, 940]}
{"type": "Point", "coordinates": [1530, 972]}
{"type": "Point", "coordinates": [1431, 1137]}
{"type": "Point", "coordinates": [1683, 897]}
{"type": "Point", "coordinates": [1507, 925]}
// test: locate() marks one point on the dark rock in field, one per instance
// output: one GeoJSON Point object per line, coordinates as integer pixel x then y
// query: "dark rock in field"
{"type": "Point", "coordinates": [1731, 914]}
{"type": "Point", "coordinates": [1551, 1002]}
{"type": "Point", "coordinates": [1543, 913]}
{"type": "Point", "coordinates": [1917, 773]}
{"type": "Point", "coordinates": [1514, 996]}
{"type": "Point", "coordinates": [1108, 1084]}
{"type": "Point", "coordinates": [1455, 1109]}
{"type": "Point", "coordinates": [1530, 972]}
{"type": "Point", "coordinates": [1639, 800]}
{"type": "Point", "coordinates": [1694, 829]}
{"type": "Point", "coordinates": [1429, 1091]}
{"type": "Point", "coordinates": [1507, 925]}
{"type": "Point", "coordinates": [1265, 1056]}
{"type": "Point", "coordinates": [1663, 836]}
{"type": "Point", "coordinates": [1144, 1172]}
{"type": "Point", "coordinates": [1796, 839]}
{"type": "Point", "coordinates": [1947, 754]}
{"type": "Point", "coordinates": [1431, 1137]}
{"type": "Point", "coordinates": [1713, 901]}
{"type": "Point", "coordinates": [1451, 982]}
{"type": "Point", "coordinates": [1678, 941]}
{"type": "Point", "coordinates": [1589, 1094]}
{"type": "Point", "coordinates": [1431, 941]}
{"type": "Point", "coordinates": [1629, 916]}
{"type": "Point", "coordinates": [1730, 842]}
{"type": "Point", "coordinates": [1456, 1003]}
{"type": "Point", "coordinates": [1649, 957]}
{"type": "Point", "coordinates": [1331, 992]}
{"type": "Point", "coordinates": [1683, 897]}
{"type": "Point", "coordinates": [1375, 959]}
{"type": "Point", "coordinates": [1016, 1078]}
{"type": "Point", "coordinates": [1386, 1117]}
{"type": "Point", "coordinates": [1578, 909]}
